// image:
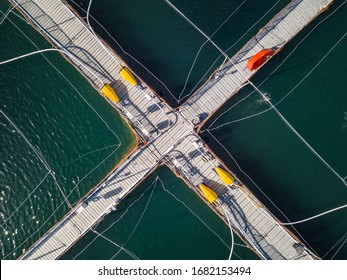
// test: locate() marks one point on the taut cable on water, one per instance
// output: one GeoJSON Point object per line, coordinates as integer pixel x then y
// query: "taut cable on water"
{"type": "Point", "coordinates": [277, 103]}
{"type": "Point", "coordinates": [120, 218]}
{"type": "Point", "coordinates": [140, 219]}
{"type": "Point", "coordinates": [206, 41]}
{"type": "Point", "coordinates": [249, 29]}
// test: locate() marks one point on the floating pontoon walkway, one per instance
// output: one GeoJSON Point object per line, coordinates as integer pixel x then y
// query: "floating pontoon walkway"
{"type": "Point", "coordinates": [234, 74]}
{"type": "Point", "coordinates": [168, 136]}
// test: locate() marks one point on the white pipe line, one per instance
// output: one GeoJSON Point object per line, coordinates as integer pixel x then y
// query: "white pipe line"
{"type": "Point", "coordinates": [27, 197]}
{"type": "Point", "coordinates": [206, 41]}
{"type": "Point", "coordinates": [231, 233]}
{"type": "Point", "coordinates": [138, 222]}
{"type": "Point", "coordinates": [79, 93]}
{"type": "Point", "coordinates": [273, 6]}
{"type": "Point", "coordinates": [315, 216]}
{"type": "Point", "coordinates": [277, 103]}
{"type": "Point", "coordinates": [52, 50]}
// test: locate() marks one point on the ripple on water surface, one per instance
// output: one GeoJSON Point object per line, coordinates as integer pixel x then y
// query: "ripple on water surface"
{"type": "Point", "coordinates": [72, 139]}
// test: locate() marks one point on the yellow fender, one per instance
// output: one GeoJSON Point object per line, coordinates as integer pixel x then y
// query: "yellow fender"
{"type": "Point", "coordinates": [224, 176]}
{"type": "Point", "coordinates": [109, 92]}
{"type": "Point", "coordinates": [128, 76]}
{"type": "Point", "coordinates": [209, 194]}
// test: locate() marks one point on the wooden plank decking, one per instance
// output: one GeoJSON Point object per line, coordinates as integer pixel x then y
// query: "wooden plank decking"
{"type": "Point", "coordinates": [170, 134]}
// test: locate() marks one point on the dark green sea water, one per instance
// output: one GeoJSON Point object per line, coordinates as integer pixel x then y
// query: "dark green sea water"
{"type": "Point", "coordinates": [49, 111]}
{"type": "Point", "coordinates": [295, 180]}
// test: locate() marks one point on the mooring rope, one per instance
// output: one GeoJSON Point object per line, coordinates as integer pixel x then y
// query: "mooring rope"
{"type": "Point", "coordinates": [77, 91]}
{"type": "Point", "coordinates": [120, 218]}
{"type": "Point", "coordinates": [191, 211]}
{"type": "Point", "coordinates": [338, 250]}
{"type": "Point", "coordinates": [261, 93]}
{"type": "Point", "coordinates": [231, 233]}
{"type": "Point", "coordinates": [284, 97]}
{"type": "Point", "coordinates": [201, 47]}
{"type": "Point", "coordinates": [5, 15]}
{"type": "Point", "coordinates": [122, 248]}
{"type": "Point", "coordinates": [27, 197]}
{"type": "Point", "coordinates": [86, 154]}
{"type": "Point", "coordinates": [21, 244]}
{"type": "Point", "coordinates": [140, 219]}
{"type": "Point", "coordinates": [40, 157]}
{"type": "Point", "coordinates": [240, 38]}
{"type": "Point", "coordinates": [335, 244]}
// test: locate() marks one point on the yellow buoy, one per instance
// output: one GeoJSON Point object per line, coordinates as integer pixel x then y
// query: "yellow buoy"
{"type": "Point", "coordinates": [128, 76]}
{"type": "Point", "coordinates": [209, 194]}
{"type": "Point", "coordinates": [224, 176]}
{"type": "Point", "coordinates": [109, 92]}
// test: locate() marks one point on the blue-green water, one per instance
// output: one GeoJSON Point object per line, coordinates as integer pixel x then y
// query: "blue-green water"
{"type": "Point", "coordinates": [58, 120]}
{"type": "Point", "coordinates": [295, 180]}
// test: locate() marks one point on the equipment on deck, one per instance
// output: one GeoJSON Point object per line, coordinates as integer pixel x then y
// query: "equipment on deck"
{"type": "Point", "coordinates": [227, 178]}
{"type": "Point", "coordinates": [128, 76]}
{"type": "Point", "coordinates": [209, 194]}
{"type": "Point", "coordinates": [109, 92]}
